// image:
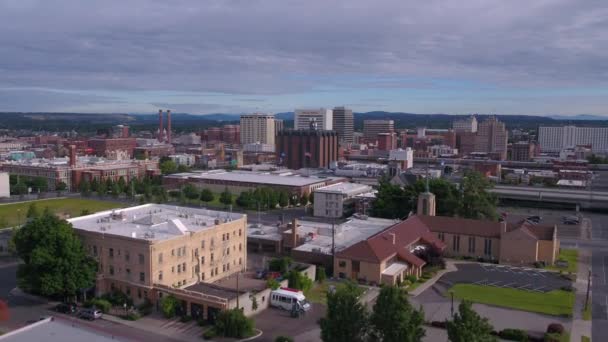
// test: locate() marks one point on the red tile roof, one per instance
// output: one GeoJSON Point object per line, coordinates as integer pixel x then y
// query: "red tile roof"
{"type": "Point", "coordinates": [380, 246]}
{"type": "Point", "coordinates": [456, 225]}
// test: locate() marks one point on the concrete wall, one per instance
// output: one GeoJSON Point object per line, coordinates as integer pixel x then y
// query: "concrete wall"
{"type": "Point", "coordinates": [5, 190]}
{"type": "Point", "coordinates": [518, 247]}
{"type": "Point", "coordinates": [478, 251]}
{"type": "Point", "coordinates": [548, 251]}
{"type": "Point", "coordinates": [368, 271]}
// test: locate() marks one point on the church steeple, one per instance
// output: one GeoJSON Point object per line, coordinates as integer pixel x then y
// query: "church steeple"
{"type": "Point", "coordinates": [426, 200]}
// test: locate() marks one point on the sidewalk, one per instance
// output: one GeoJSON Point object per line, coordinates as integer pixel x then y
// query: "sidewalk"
{"type": "Point", "coordinates": [581, 327]}
{"type": "Point", "coordinates": [449, 267]}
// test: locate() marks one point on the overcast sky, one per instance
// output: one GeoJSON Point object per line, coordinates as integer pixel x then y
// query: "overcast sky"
{"type": "Point", "coordinates": [206, 56]}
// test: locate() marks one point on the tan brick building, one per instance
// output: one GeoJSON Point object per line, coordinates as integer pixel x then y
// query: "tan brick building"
{"type": "Point", "coordinates": [150, 250]}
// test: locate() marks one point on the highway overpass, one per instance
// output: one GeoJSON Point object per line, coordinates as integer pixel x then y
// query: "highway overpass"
{"type": "Point", "coordinates": [585, 199]}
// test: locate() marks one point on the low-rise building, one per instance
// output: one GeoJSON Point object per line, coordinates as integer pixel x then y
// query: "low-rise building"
{"type": "Point", "coordinates": [5, 186]}
{"type": "Point", "coordinates": [338, 200]}
{"type": "Point", "coordinates": [184, 159]}
{"type": "Point", "coordinates": [152, 250]}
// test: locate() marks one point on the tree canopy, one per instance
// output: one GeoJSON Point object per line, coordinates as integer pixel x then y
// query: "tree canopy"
{"type": "Point", "coordinates": [346, 318]}
{"type": "Point", "coordinates": [394, 319]}
{"type": "Point", "coordinates": [468, 326]}
{"type": "Point", "coordinates": [167, 167]}
{"type": "Point", "coordinates": [207, 195]}
{"type": "Point", "coordinates": [226, 197]}
{"type": "Point", "coordinates": [54, 260]}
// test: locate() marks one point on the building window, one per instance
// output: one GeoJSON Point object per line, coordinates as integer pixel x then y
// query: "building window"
{"type": "Point", "coordinates": [128, 270]}
{"type": "Point", "coordinates": [196, 252]}
{"type": "Point", "coordinates": [487, 247]}
{"type": "Point", "coordinates": [160, 258]}
{"type": "Point", "coordinates": [240, 247]}
{"type": "Point", "coordinates": [127, 256]}
{"type": "Point", "coordinates": [211, 257]}
{"type": "Point", "coordinates": [160, 275]}
{"type": "Point", "coordinates": [141, 259]}
{"type": "Point", "coordinates": [356, 265]}
{"type": "Point", "coordinates": [142, 276]}
{"type": "Point", "coordinates": [240, 233]}
{"type": "Point", "coordinates": [456, 243]}
{"type": "Point", "coordinates": [139, 293]}
{"type": "Point", "coordinates": [240, 261]}
{"type": "Point", "coordinates": [95, 250]}
{"type": "Point", "coordinates": [203, 244]}
{"type": "Point", "coordinates": [228, 251]}
{"type": "Point", "coordinates": [128, 291]}
{"type": "Point", "coordinates": [184, 267]}
{"type": "Point", "coordinates": [111, 252]}
{"type": "Point", "coordinates": [441, 236]}
{"type": "Point", "coordinates": [172, 269]}
{"type": "Point", "coordinates": [216, 270]}
{"type": "Point", "coordinates": [203, 260]}
{"type": "Point", "coordinates": [342, 264]}
{"type": "Point", "coordinates": [111, 270]}
{"type": "Point", "coordinates": [173, 252]}
{"type": "Point", "coordinates": [179, 268]}
{"type": "Point", "coordinates": [203, 276]}
{"type": "Point", "coordinates": [223, 268]}
{"type": "Point", "coordinates": [471, 244]}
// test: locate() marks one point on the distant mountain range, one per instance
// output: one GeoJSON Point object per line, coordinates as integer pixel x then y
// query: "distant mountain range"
{"type": "Point", "coordinates": [191, 122]}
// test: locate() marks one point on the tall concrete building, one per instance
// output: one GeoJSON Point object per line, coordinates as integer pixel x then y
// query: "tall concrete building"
{"type": "Point", "coordinates": [306, 148]}
{"type": "Point", "coordinates": [492, 138]}
{"type": "Point", "coordinates": [555, 139]}
{"type": "Point", "coordinates": [466, 125]}
{"type": "Point", "coordinates": [279, 125]}
{"type": "Point", "coordinates": [371, 128]}
{"type": "Point", "coordinates": [344, 124]}
{"type": "Point", "coordinates": [323, 117]}
{"type": "Point", "coordinates": [257, 127]}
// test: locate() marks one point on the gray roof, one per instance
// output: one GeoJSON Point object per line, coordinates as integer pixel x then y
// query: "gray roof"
{"type": "Point", "coordinates": [266, 178]}
{"type": "Point", "coordinates": [56, 329]}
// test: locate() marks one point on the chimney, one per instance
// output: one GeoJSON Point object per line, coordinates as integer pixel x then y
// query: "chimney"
{"type": "Point", "coordinates": [169, 126]}
{"type": "Point", "coordinates": [503, 227]}
{"type": "Point", "coordinates": [294, 233]}
{"type": "Point", "coordinates": [160, 125]}
{"type": "Point", "coordinates": [393, 236]}
{"type": "Point", "coordinates": [72, 155]}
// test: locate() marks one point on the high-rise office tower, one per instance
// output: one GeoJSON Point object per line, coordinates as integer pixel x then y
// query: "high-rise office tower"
{"type": "Point", "coordinates": [555, 139]}
{"type": "Point", "coordinates": [323, 117]}
{"type": "Point", "coordinates": [257, 128]}
{"type": "Point", "coordinates": [492, 138]}
{"type": "Point", "coordinates": [344, 124]}
{"type": "Point", "coordinates": [465, 125]}
{"type": "Point", "coordinates": [306, 148]}
{"type": "Point", "coordinates": [371, 128]}
{"type": "Point", "coordinates": [279, 125]}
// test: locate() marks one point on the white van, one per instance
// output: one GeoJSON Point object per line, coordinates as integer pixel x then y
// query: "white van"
{"type": "Point", "coordinates": [284, 298]}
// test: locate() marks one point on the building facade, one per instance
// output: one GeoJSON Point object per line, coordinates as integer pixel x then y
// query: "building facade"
{"type": "Point", "coordinates": [371, 128]}
{"type": "Point", "coordinates": [296, 149]}
{"type": "Point", "coordinates": [523, 151]}
{"type": "Point", "coordinates": [257, 128]}
{"type": "Point", "coordinates": [113, 148]}
{"type": "Point", "coordinates": [492, 138]}
{"type": "Point", "coordinates": [465, 125]}
{"type": "Point", "coordinates": [323, 117]}
{"type": "Point", "coordinates": [5, 187]}
{"type": "Point", "coordinates": [338, 200]}
{"type": "Point", "coordinates": [554, 139]}
{"type": "Point", "coordinates": [344, 124]}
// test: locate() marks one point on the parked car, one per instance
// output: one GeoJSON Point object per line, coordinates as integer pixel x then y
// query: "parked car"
{"type": "Point", "coordinates": [534, 218]}
{"type": "Point", "coordinates": [65, 308]}
{"type": "Point", "coordinates": [90, 314]}
{"type": "Point", "coordinates": [570, 222]}
{"type": "Point", "coordinates": [571, 218]}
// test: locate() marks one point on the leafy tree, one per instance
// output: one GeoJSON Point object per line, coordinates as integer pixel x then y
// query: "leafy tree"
{"type": "Point", "coordinates": [61, 186]}
{"type": "Point", "coordinates": [207, 195]}
{"type": "Point", "coordinates": [226, 197]}
{"type": "Point", "coordinates": [168, 167]}
{"type": "Point", "coordinates": [183, 168]}
{"type": "Point", "coordinates": [445, 192]}
{"type": "Point", "coordinates": [115, 190]}
{"type": "Point", "coordinates": [593, 159]}
{"type": "Point", "coordinates": [394, 318]}
{"type": "Point", "coordinates": [346, 319]}
{"type": "Point", "coordinates": [254, 303]}
{"type": "Point", "coordinates": [94, 184]}
{"type": "Point", "coordinates": [321, 275]}
{"type": "Point", "coordinates": [299, 281]}
{"type": "Point", "coordinates": [468, 326]}
{"type": "Point", "coordinates": [32, 211]}
{"type": "Point", "coordinates": [233, 323]}
{"type": "Point", "coordinates": [102, 189]}
{"type": "Point", "coordinates": [54, 261]}
{"type": "Point", "coordinates": [38, 184]}
{"type": "Point", "coordinates": [476, 201]}
{"type": "Point", "coordinates": [304, 199]}
{"type": "Point", "coordinates": [122, 184]}
{"type": "Point", "coordinates": [273, 283]}
{"type": "Point", "coordinates": [19, 189]}
{"type": "Point", "coordinates": [190, 191]}
{"type": "Point", "coordinates": [392, 201]}
{"type": "Point", "coordinates": [169, 306]}
{"type": "Point", "coordinates": [283, 199]}
{"type": "Point", "coordinates": [283, 339]}
{"type": "Point", "coordinates": [85, 188]}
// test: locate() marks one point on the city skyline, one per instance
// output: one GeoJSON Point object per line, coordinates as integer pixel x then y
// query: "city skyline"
{"type": "Point", "coordinates": [238, 57]}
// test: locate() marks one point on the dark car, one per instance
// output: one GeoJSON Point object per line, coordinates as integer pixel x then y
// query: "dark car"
{"type": "Point", "coordinates": [534, 218]}
{"type": "Point", "coordinates": [66, 308]}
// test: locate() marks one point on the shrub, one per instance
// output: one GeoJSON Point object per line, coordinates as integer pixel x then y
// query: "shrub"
{"type": "Point", "coordinates": [283, 339]}
{"type": "Point", "coordinates": [99, 303]}
{"type": "Point", "coordinates": [117, 298]}
{"type": "Point", "coordinates": [185, 318]}
{"type": "Point", "coordinates": [146, 307]}
{"type": "Point", "coordinates": [513, 335]}
{"type": "Point", "coordinates": [131, 316]}
{"type": "Point", "coordinates": [233, 323]}
{"type": "Point", "coordinates": [273, 283]}
{"type": "Point", "coordinates": [299, 281]}
{"type": "Point", "coordinates": [321, 276]}
{"type": "Point", "coordinates": [169, 305]}
{"type": "Point", "coordinates": [439, 324]}
{"type": "Point", "coordinates": [411, 278]}
{"type": "Point", "coordinates": [555, 328]}
{"type": "Point", "coordinates": [209, 334]}
{"type": "Point", "coordinates": [280, 264]}
{"type": "Point", "coordinates": [553, 337]}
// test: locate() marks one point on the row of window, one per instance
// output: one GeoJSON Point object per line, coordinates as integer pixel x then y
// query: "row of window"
{"type": "Point", "coordinates": [112, 254]}
{"type": "Point", "coordinates": [111, 271]}
{"type": "Point", "coordinates": [487, 246]}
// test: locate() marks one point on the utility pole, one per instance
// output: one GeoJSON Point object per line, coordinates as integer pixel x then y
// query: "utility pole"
{"type": "Point", "coordinates": [333, 243]}
{"type": "Point", "coordinates": [452, 307]}
{"type": "Point", "coordinates": [588, 289]}
{"type": "Point", "coordinates": [238, 294]}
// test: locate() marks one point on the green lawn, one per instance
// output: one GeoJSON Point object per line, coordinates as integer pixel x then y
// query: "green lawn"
{"type": "Point", "coordinates": [557, 302]}
{"type": "Point", "coordinates": [10, 214]}
{"type": "Point", "coordinates": [587, 313]}
{"type": "Point", "coordinates": [318, 292]}
{"type": "Point", "coordinates": [569, 255]}
{"type": "Point", "coordinates": [585, 339]}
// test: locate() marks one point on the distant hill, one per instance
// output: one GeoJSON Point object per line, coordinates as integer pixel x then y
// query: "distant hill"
{"type": "Point", "coordinates": [188, 122]}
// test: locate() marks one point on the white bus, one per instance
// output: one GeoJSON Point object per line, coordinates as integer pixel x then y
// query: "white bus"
{"type": "Point", "coordinates": [284, 298]}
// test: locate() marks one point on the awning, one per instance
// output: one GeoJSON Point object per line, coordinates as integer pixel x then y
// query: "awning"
{"type": "Point", "coordinates": [394, 269]}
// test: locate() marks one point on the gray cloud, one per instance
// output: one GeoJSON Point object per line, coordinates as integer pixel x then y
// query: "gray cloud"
{"type": "Point", "coordinates": [261, 47]}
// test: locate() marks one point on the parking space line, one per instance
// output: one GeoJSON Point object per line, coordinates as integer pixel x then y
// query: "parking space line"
{"type": "Point", "coordinates": [508, 284]}
{"type": "Point", "coordinates": [538, 289]}
{"type": "Point", "coordinates": [524, 286]}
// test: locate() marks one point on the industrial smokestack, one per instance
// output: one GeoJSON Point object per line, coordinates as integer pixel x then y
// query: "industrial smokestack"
{"type": "Point", "coordinates": [72, 155]}
{"type": "Point", "coordinates": [169, 126]}
{"type": "Point", "coordinates": [160, 125]}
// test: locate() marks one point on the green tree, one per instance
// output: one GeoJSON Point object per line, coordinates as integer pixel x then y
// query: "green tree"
{"type": "Point", "coordinates": [54, 261]}
{"type": "Point", "coordinates": [233, 323]}
{"type": "Point", "coordinates": [226, 197]}
{"type": "Point", "coordinates": [183, 168]}
{"type": "Point", "coordinates": [283, 199]}
{"type": "Point", "coordinates": [190, 192]}
{"type": "Point", "coordinates": [115, 190]}
{"type": "Point", "coordinates": [283, 339]}
{"type": "Point", "coordinates": [169, 305]}
{"type": "Point", "coordinates": [38, 184]}
{"type": "Point", "coordinates": [321, 275]}
{"type": "Point", "coordinates": [168, 167]}
{"type": "Point", "coordinates": [392, 201]}
{"type": "Point", "coordinates": [304, 199]}
{"type": "Point", "coordinates": [445, 192]}
{"type": "Point", "coordinates": [207, 196]}
{"type": "Point", "coordinates": [32, 211]}
{"type": "Point", "coordinates": [102, 189]}
{"type": "Point", "coordinates": [85, 188]}
{"type": "Point", "coordinates": [346, 319]}
{"type": "Point", "coordinates": [61, 186]}
{"type": "Point", "coordinates": [468, 326]}
{"type": "Point", "coordinates": [476, 201]}
{"type": "Point", "coordinates": [299, 281]}
{"type": "Point", "coordinates": [122, 184]}
{"type": "Point", "coordinates": [19, 189]}
{"type": "Point", "coordinates": [394, 318]}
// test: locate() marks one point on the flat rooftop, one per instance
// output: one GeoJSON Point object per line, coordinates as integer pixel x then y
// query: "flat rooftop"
{"type": "Point", "coordinates": [268, 178]}
{"type": "Point", "coordinates": [56, 329]}
{"type": "Point", "coordinates": [319, 234]}
{"type": "Point", "coordinates": [153, 222]}
{"type": "Point", "coordinates": [345, 188]}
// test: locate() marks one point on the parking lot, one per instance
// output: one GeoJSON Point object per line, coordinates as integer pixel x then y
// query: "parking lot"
{"type": "Point", "coordinates": [529, 279]}
{"type": "Point", "coordinates": [553, 217]}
